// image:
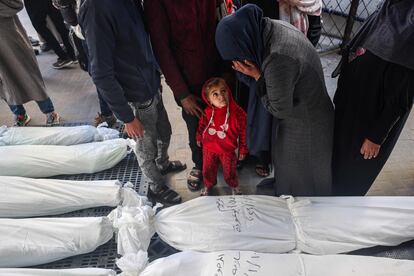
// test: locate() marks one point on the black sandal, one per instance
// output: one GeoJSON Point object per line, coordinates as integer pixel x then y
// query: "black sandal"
{"type": "Point", "coordinates": [165, 195]}
{"type": "Point", "coordinates": [194, 180]}
{"type": "Point", "coordinates": [262, 170]}
{"type": "Point", "coordinates": [174, 166]}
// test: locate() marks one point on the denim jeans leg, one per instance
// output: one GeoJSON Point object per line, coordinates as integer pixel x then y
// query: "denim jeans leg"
{"type": "Point", "coordinates": [17, 110]}
{"type": "Point", "coordinates": [46, 106]}
{"type": "Point", "coordinates": [146, 147]}
{"type": "Point", "coordinates": [164, 136]}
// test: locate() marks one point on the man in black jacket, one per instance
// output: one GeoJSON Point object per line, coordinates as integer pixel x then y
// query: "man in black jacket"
{"type": "Point", "coordinates": [126, 73]}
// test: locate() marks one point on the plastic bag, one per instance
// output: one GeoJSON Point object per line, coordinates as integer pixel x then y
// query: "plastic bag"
{"type": "Point", "coordinates": [266, 224]}
{"type": "Point", "coordinates": [247, 263]}
{"type": "Point", "coordinates": [64, 136]}
{"type": "Point", "coordinates": [57, 272]}
{"type": "Point", "coordinates": [28, 197]}
{"type": "Point", "coordinates": [46, 161]}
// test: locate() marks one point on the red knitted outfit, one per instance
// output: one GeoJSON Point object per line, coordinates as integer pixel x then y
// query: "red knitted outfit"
{"type": "Point", "coordinates": [218, 149]}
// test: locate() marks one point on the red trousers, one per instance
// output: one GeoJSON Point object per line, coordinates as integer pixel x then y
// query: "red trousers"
{"type": "Point", "coordinates": [211, 163]}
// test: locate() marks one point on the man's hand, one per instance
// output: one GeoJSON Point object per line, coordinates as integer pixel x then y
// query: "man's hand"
{"type": "Point", "coordinates": [191, 106]}
{"type": "Point", "coordinates": [247, 68]}
{"type": "Point", "coordinates": [369, 149]}
{"type": "Point", "coordinates": [134, 129]}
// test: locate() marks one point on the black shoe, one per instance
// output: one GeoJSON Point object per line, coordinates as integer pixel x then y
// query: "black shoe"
{"type": "Point", "coordinates": [33, 41]}
{"type": "Point", "coordinates": [61, 63]}
{"type": "Point", "coordinates": [164, 195]}
{"type": "Point", "coordinates": [45, 47]}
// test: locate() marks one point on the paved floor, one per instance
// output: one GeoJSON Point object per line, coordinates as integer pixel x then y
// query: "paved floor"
{"type": "Point", "coordinates": [74, 96]}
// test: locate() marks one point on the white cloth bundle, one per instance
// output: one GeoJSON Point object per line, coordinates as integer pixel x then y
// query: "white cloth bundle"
{"type": "Point", "coordinates": [28, 242]}
{"type": "Point", "coordinates": [239, 263]}
{"type": "Point", "coordinates": [63, 136]}
{"type": "Point", "coordinates": [46, 161]}
{"type": "Point", "coordinates": [279, 225]}
{"type": "Point", "coordinates": [331, 225]}
{"type": "Point", "coordinates": [35, 241]}
{"type": "Point", "coordinates": [57, 272]}
{"type": "Point", "coordinates": [28, 197]}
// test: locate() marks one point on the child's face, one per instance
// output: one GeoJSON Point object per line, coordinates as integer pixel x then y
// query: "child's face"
{"type": "Point", "coordinates": [218, 96]}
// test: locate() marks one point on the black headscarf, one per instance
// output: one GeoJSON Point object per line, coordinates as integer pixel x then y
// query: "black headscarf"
{"type": "Point", "coordinates": [239, 37]}
{"type": "Point", "coordinates": [389, 33]}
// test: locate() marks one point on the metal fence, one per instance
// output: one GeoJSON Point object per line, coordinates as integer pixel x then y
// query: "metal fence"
{"type": "Point", "coordinates": [341, 19]}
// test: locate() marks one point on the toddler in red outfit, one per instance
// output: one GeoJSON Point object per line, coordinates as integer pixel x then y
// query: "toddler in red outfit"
{"type": "Point", "coordinates": [220, 132]}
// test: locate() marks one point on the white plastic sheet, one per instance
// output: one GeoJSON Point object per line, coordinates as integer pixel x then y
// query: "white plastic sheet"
{"type": "Point", "coordinates": [280, 225]}
{"type": "Point", "coordinates": [56, 272]}
{"type": "Point", "coordinates": [28, 197]}
{"type": "Point", "coordinates": [28, 242]}
{"type": "Point", "coordinates": [64, 136]}
{"type": "Point", "coordinates": [46, 161]}
{"type": "Point", "coordinates": [247, 263]}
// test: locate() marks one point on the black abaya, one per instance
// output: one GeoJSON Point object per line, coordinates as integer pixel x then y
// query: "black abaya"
{"type": "Point", "coordinates": [373, 100]}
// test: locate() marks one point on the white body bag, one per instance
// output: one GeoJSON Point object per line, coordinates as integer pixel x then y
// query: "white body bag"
{"type": "Point", "coordinates": [247, 263]}
{"type": "Point", "coordinates": [267, 224]}
{"type": "Point", "coordinates": [63, 136]}
{"type": "Point", "coordinates": [56, 272]}
{"type": "Point", "coordinates": [29, 197]}
{"type": "Point", "coordinates": [46, 161]}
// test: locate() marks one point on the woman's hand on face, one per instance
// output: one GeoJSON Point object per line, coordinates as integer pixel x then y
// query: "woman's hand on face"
{"type": "Point", "coordinates": [248, 68]}
{"type": "Point", "coordinates": [369, 149]}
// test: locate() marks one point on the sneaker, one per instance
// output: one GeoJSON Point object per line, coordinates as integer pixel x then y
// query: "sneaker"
{"type": "Point", "coordinates": [61, 63]}
{"type": "Point", "coordinates": [21, 120]}
{"type": "Point", "coordinates": [236, 191]}
{"type": "Point", "coordinates": [110, 120]}
{"type": "Point", "coordinates": [52, 119]}
{"type": "Point", "coordinates": [45, 47]}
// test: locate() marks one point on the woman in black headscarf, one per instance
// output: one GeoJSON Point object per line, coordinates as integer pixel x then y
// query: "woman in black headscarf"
{"type": "Point", "coordinates": [290, 83]}
{"type": "Point", "coordinates": [374, 96]}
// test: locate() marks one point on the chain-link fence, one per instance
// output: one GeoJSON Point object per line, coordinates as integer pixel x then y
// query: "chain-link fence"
{"type": "Point", "coordinates": [341, 19]}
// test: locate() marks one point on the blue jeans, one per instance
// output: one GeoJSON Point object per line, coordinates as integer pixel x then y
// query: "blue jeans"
{"type": "Point", "coordinates": [45, 106]}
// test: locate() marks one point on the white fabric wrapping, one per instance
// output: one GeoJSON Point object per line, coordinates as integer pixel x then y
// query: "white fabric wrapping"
{"type": "Point", "coordinates": [56, 272]}
{"type": "Point", "coordinates": [64, 136]}
{"type": "Point", "coordinates": [28, 242]}
{"type": "Point", "coordinates": [46, 161]}
{"type": "Point", "coordinates": [280, 225]}
{"type": "Point", "coordinates": [239, 263]}
{"type": "Point", "coordinates": [258, 223]}
{"type": "Point", "coordinates": [330, 225]}
{"type": "Point", "coordinates": [29, 197]}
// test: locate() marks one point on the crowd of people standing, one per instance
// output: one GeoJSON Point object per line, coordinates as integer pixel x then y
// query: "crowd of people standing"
{"type": "Point", "coordinates": [317, 147]}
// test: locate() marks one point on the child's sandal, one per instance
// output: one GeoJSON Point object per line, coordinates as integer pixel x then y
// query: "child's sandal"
{"type": "Point", "coordinates": [236, 191]}
{"type": "Point", "coordinates": [205, 192]}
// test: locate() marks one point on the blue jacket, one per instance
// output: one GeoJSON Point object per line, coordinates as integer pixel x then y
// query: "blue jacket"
{"type": "Point", "coordinates": [122, 63]}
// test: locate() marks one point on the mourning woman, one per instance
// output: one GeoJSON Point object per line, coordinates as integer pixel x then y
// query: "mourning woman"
{"type": "Point", "coordinates": [290, 83]}
{"type": "Point", "coordinates": [374, 96]}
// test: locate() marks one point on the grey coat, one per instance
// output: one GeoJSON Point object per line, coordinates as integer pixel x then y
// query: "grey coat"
{"type": "Point", "coordinates": [297, 97]}
{"type": "Point", "coordinates": [20, 78]}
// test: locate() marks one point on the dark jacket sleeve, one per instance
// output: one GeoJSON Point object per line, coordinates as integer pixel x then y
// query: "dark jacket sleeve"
{"type": "Point", "coordinates": [97, 25]}
{"type": "Point", "coordinates": [277, 84]}
{"type": "Point", "coordinates": [397, 101]}
{"type": "Point", "coordinates": [158, 27]}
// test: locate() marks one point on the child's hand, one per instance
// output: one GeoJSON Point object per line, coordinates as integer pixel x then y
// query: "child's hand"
{"type": "Point", "coordinates": [199, 144]}
{"type": "Point", "coordinates": [242, 157]}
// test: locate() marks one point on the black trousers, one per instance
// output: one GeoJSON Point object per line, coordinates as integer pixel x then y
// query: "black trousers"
{"type": "Point", "coordinates": [38, 10]}
{"type": "Point", "coordinates": [192, 125]}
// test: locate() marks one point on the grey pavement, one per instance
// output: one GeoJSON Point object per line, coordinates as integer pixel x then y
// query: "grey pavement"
{"type": "Point", "coordinates": [75, 98]}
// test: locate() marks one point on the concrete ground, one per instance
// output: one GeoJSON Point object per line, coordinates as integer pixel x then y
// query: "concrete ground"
{"type": "Point", "coordinates": [75, 98]}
